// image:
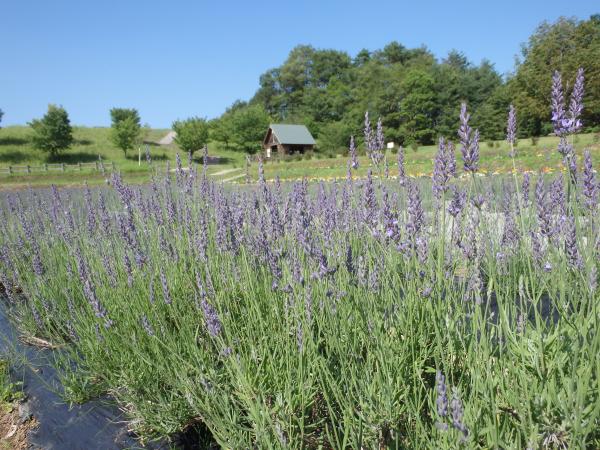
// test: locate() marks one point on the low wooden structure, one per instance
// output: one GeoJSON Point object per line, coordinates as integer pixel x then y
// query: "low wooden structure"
{"type": "Point", "coordinates": [286, 139]}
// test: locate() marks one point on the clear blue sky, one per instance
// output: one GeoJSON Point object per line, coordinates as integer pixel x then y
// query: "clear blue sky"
{"type": "Point", "coordinates": [175, 59]}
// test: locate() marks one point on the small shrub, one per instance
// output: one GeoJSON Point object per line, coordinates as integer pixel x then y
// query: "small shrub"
{"type": "Point", "coordinates": [414, 146]}
{"type": "Point", "coordinates": [490, 144]}
{"type": "Point", "coordinates": [534, 140]}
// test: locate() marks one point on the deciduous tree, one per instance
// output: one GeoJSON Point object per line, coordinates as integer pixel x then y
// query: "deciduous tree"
{"type": "Point", "coordinates": [126, 128]}
{"type": "Point", "coordinates": [52, 133]}
{"type": "Point", "coordinates": [192, 133]}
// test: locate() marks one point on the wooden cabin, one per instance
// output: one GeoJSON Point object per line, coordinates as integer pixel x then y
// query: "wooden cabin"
{"type": "Point", "coordinates": [285, 139]}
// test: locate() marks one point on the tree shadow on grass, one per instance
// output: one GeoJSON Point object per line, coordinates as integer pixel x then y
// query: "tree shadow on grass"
{"type": "Point", "coordinates": [10, 140]}
{"type": "Point", "coordinates": [212, 160]}
{"type": "Point", "coordinates": [152, 144]}
{"type": "Point", "coordinates": [83, 142]}
{"type": "Point", "coordinates": [162, 157]}
{"type": "Point", "coordinates": [13, 157]}
{"type": "Point", "coordinates": [73, 158]}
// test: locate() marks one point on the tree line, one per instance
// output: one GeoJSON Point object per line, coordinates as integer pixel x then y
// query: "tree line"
{"type": "Point", "coordinates": [417, 96]}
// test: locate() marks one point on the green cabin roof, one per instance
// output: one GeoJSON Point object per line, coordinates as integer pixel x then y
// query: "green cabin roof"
{"type": "Point", "coordinates": [292, 134]}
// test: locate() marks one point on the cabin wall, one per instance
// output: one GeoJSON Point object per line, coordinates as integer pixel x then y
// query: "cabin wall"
{"type": "Point", "coordinates": [272, 141]}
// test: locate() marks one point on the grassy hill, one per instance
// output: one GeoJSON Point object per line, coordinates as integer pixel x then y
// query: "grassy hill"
{"type": "Point", "coordinates": [91, 143]}
{"type": "Point", "coordinates": [16, 149]}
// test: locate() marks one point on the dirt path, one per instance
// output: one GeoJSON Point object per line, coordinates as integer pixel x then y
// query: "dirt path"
{"type": "Point", "coordinates": [223, 172]}
{"type": "Point", "coordinates": [233, 178]}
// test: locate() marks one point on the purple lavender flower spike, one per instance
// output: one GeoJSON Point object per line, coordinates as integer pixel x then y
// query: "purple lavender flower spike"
{"type": "Point", "coordinates": [261, 171]}
{"type": "Point", "coordinates": [571, 249]}
{"type": "Point", "coordinates": [401, 172]}
{"type": "Point", "coordinates": [38, 265]}
{"type": "Point", "coordinates": [458, 414]}
{"type": "Point", "coordinates": [590, 188]}
{"type": "Point", "coordinates": [146, 325]}
{"type": "Point", "coordinates": [442, 167]}
{"type": "Point", "coordinates": [373, 141]}
{"type": "Point", "coordinates": [211, 319]}
{"type": "Point", "coordinates": [353, 154]}
{"type": "Point", "coordinates": [469, 141]}
{"type": "Point", "coordinates": [458, 202]}
{"type": "Point", "coordinates": [379, 138]}
{"type": "Point", "coordinates": [450, 159]}
{"type": "Point", "coordinates": [511, 129]}
{"type": "Point", "coordinates": [178, 164]}
{"type": "Point", "coordinates": [442, 394]}
{"type": "Point", "coordinates": [368, 133]}
{"type": "Point", "coordinates": [525, 188]}
{"type": "Point", "coordinates": [204, 161]}
{"type": "Point", "coordinates": [370, 205]}
{"type": "Point", "coordinates": [416, 214]}
{"type": "Point", "coordinates": [350, 261]}
{"type": "Point", "coordinates": [299, 337]}
{"type": "Point", "coordinates": [422, 249]}
{"type": "Point", "coordinates": [165, 288]}
{"type": "Point", "coordinates": [576, 104]}
{"type": "Point", "coordinates": [544, 208]}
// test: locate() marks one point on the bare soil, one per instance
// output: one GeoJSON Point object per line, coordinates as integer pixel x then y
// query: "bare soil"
{"type": "Point", "coordinates": [14, 431]}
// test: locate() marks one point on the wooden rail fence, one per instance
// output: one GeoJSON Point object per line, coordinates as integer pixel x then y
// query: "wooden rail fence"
{"type": "Point", "coordinates": [98, 166]}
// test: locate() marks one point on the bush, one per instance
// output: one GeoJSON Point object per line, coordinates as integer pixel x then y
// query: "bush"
{"type": "Point", "coordinates": [534, 140]}
{"type": "Point", "coordinates": [53, 132]}
{"type": "Point", "coordinates": [414, 146]}
{"type": "Point", "coordinates": [490, 144]}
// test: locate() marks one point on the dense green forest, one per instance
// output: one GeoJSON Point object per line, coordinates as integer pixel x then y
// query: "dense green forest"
{"type": "Point", "coordinates": [416, 95]}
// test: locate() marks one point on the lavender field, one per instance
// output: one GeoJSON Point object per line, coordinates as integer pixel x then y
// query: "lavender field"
{"type": "Point", "coordinates": [391, 312]}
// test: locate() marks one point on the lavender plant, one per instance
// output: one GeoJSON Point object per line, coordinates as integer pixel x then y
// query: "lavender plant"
{"type": "Point", "coordinates": [359, 314]}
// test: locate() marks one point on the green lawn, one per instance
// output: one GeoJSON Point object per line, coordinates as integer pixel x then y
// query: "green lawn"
{"type": "Point", "coordinates": [90, 143]}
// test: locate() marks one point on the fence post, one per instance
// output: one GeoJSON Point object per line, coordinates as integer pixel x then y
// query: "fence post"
{"type": "Point", "coordinates": [79, 164]}
{"type": "Point", "coordinates": [46, 167]}
{"type": "Point", "coordinates": [62, 166]}
{"type": "Point", "coordinates": [10, 171]}
{"type": "Point", "coordinates": [96, 166]}
{"type": "Point", "coordinates": [28, 169]}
